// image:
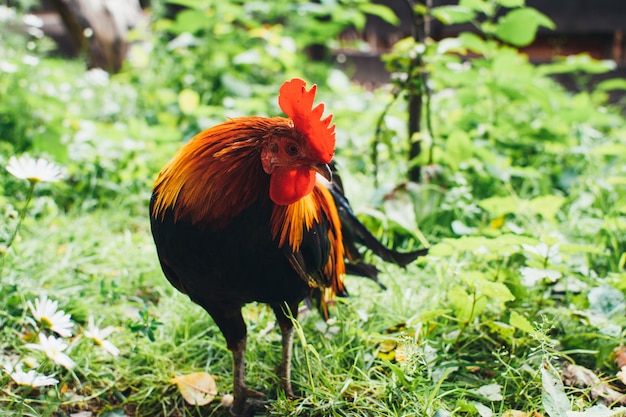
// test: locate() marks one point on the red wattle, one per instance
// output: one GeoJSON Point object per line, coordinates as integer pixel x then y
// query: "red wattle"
{"type": "Point", "coordinates": [288, 185]}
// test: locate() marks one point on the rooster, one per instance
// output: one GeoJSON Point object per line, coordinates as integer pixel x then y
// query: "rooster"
{"type": "Point", "coordinates": [248, 211]}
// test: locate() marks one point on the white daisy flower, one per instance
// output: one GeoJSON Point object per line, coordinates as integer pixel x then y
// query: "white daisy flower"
{"type": "Point", "coordinates": [30, 378]}
{"type": "Point", "coordinates": [34, 170]}
{"type": "Point", "coordinates": [53, 348]}
{"type": "Point", "coordinates": [98, 336]}
{"type": "Point", "coordinates": [49, 317]}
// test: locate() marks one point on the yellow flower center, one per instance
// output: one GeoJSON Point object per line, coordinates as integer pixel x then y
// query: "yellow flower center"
{"type": "Point", "coordinates": [46, 323]}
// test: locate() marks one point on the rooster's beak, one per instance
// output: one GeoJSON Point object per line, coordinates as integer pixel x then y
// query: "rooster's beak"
{"type": "Point", "coordinates": [324, 171]}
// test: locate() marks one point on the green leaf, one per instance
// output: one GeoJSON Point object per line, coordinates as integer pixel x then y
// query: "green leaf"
{"type": "Point", "coordinates": [503, 329]}
{"type": "Point", "coordinates": [458, 148]}
{"type": "Point", "coordinates": [553, 397]}
{"type": "Point", "coordinates": [519, 26]}
{"type": "Point", "coordinates": [453, 14]}
{"type": "Point", "coordinates": [382, 11]}
{"type": "Point", "coordinates": [495, 290]}
{"type": "Point", "coordinates": [610, 149]}
{"type": "Point", "coordinates": [429, 315]}
{"type": "Point", "coordinates": [511, 3]}
{"type": "Point", "coordinates": [520, 322]}
{"type": "Point", "coordinates": [574, 63]}
{"type": "Point", "coordinates": [483, 6]}
{"type": "Point", "coordinates": [473, 42]}
{"type": "Point", "coordinates": [442, 249]}
{"type": "Point", "coordinates": [612, 84]}
{"type": "Point", "coordinates": [547, 206]}
{"type": "Point", "coordinates": [500, 206]}
{"type": "Point", "coordinates": [461, 301]}
{"type": "Point", "coordinates": [191, 21]}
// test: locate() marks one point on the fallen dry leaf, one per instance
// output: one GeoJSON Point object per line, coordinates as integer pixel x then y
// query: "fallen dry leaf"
{"type": "Point", "coordinates": [227, 400]}
{"type": "Point", "coordinates": [620, 357]}
{"type": "Point", "coordinates": [581, 377]}
{"type": "Point", "coordinates": [621, 375]}
{"type": "Point", "coordinates": [515, 413]}
{"type": "Point", "coordinates": [198, 388]}
{"type": "Point", "coordinates": [82, 414]}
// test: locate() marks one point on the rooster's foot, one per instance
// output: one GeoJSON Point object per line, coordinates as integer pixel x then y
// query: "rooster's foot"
{"type": "Point", "coordinates": [248, 404]}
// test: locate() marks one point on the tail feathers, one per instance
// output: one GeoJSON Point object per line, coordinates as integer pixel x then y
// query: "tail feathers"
{"type": "Point", "coordinates": [363, 269]}
{"type": "Point", "coordinates": [356, 237]}
{"type": "Point", "coordinates": [355, 233]}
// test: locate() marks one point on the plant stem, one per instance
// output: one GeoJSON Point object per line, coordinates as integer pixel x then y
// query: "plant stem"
{"type": "Point", "coordinates": [377, 136]}
{"type": "Point", "coordinates": [31, 191]}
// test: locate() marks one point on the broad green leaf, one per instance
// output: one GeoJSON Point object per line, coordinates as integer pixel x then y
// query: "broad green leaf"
{"type": "Point", "coordinates": [461, 301]}
{"type": "Point", "coordinates": [618, 149]}
{"type": "Point", "coordinates": [505, 330]}
{"type": "Point", "coordinates": [442, 249]}
{"type": "Point", "coordinates": [511, 3]}
{"type": "Point", "coordinates": [553, 397]}
{"type": "Point", "coordinates": [191, 21]}
{"type": "Point", "coordinates": [453, 14]}
{"type": "Point", "coordinates": [577, 249]}
{"type": "Point", "coordinates": [458, 148]}
{"type": "Point", "coordinates": [473, 42]}
{"type": "Point", "coordinates": [573, 63]}
{"type": "Point", "coordinates": [612, 84]}
{"type": "Point", "coordinates": [382, 11]}
{"type": "Point", "coordinates": [519, 26]}
{"type": "Point", "coordinates": [547, 206]}
{"type": "Point", "coordinates": [520, 322]}
{"type": "Point", "coordinates": [500, 206]}
{"type": "Point", "coordinates": [495, 290]}
{"type": "Point", "coordinates": [483, 6]}
{"type": "Point", "coordinates": [429, 315]}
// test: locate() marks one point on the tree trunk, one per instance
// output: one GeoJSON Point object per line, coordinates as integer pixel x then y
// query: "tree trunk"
{"type": "Point", "coordinates": [420, 29]}
{"type": "Point", "coordinates": [98, 28]}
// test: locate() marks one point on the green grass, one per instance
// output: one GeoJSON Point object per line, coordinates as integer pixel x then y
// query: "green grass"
{"type": "Point", "coordinates": [103, 263]}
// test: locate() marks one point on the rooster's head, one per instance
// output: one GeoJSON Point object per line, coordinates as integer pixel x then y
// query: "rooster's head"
{"type": "Point", "coordinates": [293, 157]}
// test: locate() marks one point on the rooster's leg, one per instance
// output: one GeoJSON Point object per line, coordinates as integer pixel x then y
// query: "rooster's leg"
{"type": "Point", "coordinates": [230, 321]}
{"type": "Point", "coordinates": [286, 328]}
{"type": "Point", "coordinates": [241, 393]}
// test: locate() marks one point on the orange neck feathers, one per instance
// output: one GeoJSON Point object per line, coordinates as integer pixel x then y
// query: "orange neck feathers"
{"type": "Point", "coordinates": [288, 224]}
{"type": "Point", "coordinates": [218, 173]}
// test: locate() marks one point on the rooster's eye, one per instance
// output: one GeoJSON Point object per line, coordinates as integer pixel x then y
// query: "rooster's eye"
{"type": "Point", "coordinates": [292, 149]}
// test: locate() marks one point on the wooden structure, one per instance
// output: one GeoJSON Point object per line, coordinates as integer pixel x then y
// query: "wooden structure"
{"type": "Point", "coordinates": [597, 27]}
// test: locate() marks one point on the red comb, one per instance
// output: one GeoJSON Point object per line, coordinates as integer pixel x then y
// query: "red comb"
{"type": "Point", "coordinates": [297, 103]}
